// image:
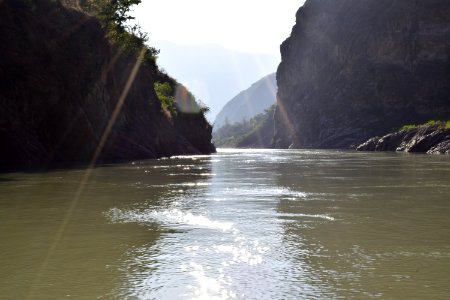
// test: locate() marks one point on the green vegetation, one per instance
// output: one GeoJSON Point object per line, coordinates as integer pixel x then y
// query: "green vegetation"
{"type": "Point", "coordinates": [176, 99]}
{"type": "Point", "coordinates": [187, 103]}
{"type": "Point", "coordinates": [440, 124]}
{"type": "Point", "coordinates": [30, 5]}
{"type": "Point", "coordinates": [165, 93]}
{"type": "Point", "coordinates": [230, 135]}
{"type": "Point", "coordinates": [114, 15]}
{"type": "Point", "coordinates": [115, 18]}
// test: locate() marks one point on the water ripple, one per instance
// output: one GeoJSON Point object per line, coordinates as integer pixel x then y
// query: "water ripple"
{"type": "Point", "coordinates": [166, 217]}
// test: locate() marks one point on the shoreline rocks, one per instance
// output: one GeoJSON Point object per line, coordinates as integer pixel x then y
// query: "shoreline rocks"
{"type": "Point", "coordinates": [430, 139]}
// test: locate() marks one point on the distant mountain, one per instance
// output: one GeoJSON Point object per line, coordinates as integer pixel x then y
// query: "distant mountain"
{"type": "Point", "coordinates": [214, 74]}
{"type": "Point", "coordinates": [249, 103]}
{"type": "Point", "coordinates": [254, 133]}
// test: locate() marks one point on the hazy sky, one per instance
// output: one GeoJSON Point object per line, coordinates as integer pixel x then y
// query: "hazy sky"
{"type": "Point", "coordinates": [257, 26]}
{"type": "Point", "coordinates": [252, 26]}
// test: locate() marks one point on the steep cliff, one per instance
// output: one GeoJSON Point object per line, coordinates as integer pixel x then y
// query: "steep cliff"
{"type": "Point", "coordinates": [64, 87]}
{"type": "Point", "coordinates": [248, 103]}
{"type": "Point", "coordinates": [354, 69]}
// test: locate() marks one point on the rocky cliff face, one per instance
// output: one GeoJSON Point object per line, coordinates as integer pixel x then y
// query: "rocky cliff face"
{"type": "Point", "coordinates": [353, 69]}
{"type": "Point", "coordinates": [61, 85]}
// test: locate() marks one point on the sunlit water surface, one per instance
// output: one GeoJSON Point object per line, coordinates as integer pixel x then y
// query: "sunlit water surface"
{"type": "Point", "coordinates": [241, 224]}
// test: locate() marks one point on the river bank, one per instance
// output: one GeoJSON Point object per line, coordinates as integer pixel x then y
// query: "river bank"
{"type": "Point", "coordinates": [431, 138]}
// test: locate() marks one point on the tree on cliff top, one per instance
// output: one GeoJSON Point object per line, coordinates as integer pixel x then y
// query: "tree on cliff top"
{"type": "Point", "coordinates": [115, 16]}
{"type": "Point", "coordinates": [117, 11]}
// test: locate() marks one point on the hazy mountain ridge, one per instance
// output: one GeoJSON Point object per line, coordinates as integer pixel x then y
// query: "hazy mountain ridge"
{"type": "Point", "coordinates": [354, 69]}
{"type": "Point", "coordinates": [249, 103]}
{"type": "Point", "coordinates": [214, 74]}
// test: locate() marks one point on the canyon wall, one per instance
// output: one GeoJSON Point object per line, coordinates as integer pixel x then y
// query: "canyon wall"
{"type": "Point", "coordinates": [62, 83]}
{"type": "Point", "coordinates": [354, 69]}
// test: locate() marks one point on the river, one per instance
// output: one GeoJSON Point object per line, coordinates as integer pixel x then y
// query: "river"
{"type": "Point", "coordinates": [240, 224]}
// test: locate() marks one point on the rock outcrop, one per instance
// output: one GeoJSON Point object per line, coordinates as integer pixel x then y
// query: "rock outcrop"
{"type": "Point", "coordinates": [354, 69]}
{"type": "Point", "coordinates": [432, 139]}
{"type": "Point", "coordinates": [62, 83]}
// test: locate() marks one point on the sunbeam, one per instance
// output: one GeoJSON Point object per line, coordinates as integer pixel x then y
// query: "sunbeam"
{"type": "Point", "coordinates": [74, 120]}
{"type": "Point", "coordinates": [237, 69]}
{"type": "Point", "coordinates": [118, 108]}
{"type": "Point", "coordinates": [286, 120]}
{"type": "Point", "coordinates": [87, 175]}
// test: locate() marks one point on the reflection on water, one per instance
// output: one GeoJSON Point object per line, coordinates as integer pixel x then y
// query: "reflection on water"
{"type": "Point", "coordinates": [242, 224]}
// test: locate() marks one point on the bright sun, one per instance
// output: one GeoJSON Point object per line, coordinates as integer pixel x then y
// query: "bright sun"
{"type": "Point", "coordinates": [257, 26]}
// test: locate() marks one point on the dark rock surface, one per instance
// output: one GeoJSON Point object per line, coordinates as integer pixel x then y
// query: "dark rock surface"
{"type": "Point", "coordinates": [353, 69]}
{"type": "Point", "coordinates": [432, 139]}
{"type": "Point", "coordinates": [60, 83]}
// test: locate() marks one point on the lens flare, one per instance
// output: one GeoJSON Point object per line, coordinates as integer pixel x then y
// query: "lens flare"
{"type": "Point", "coordinates": [88, 173]}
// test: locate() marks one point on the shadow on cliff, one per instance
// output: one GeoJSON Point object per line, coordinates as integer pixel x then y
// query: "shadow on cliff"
{"type": "Point", "coordinates": [64, 85]}
{"type": "Point", "coordinates": [355, 69]}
